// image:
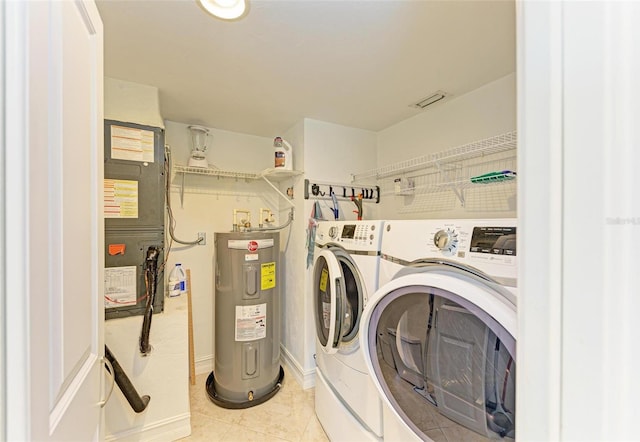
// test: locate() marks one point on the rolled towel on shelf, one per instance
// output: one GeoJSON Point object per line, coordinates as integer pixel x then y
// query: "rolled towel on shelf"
{"type": "Point", "coordinates": [494, 177]}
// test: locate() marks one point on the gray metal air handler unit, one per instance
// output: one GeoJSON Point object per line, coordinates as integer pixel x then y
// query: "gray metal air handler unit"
{"type": "Point", "coordinates": [247, 369]}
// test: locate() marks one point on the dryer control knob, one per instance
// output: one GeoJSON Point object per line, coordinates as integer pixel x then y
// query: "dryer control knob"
{"type": "Point", "coordinates": [446, 240]}
{"type": "Point", "coordinates": [333, 232]}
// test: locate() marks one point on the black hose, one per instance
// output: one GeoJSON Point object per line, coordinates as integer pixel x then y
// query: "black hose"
{"type": "Point", "coordinates": [150, 277]}
{"type": "Point", "coordinates": [137, 403]}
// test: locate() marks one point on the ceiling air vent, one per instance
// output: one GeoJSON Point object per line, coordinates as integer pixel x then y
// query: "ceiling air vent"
{"type": "Point", "coordinates": [433, 98]}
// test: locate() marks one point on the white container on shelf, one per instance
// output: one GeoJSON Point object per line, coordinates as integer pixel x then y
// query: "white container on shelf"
{"type": "Point", "coordinates": [177, 281]}
{"type": "Point", "coordinates": [283, 154]}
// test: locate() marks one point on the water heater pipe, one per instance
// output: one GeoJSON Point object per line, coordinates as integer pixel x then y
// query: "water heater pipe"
{"type": "Point", "coordinates": [268, 219]}
{"type": "Point", "coordinates": [246, 223]}
{"type": "Point", "coordinates": [280, 227]}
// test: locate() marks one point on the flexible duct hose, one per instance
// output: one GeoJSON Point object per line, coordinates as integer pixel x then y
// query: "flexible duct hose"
{"type": "Point", "coordinates": [130, 393]}
{"type": "Point", "coordinates": [150, 278]}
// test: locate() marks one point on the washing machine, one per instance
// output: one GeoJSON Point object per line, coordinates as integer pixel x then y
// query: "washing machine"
{"type": "Point", "coordinates": [439, 334]}
{"type": "Point", "coordinates": [345, 275]}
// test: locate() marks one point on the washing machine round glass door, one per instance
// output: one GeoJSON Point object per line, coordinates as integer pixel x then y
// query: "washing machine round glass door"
{"type": "Point", "coordinates": [338, 300]}
{"type": "Point", "coordinates": [440, 358]}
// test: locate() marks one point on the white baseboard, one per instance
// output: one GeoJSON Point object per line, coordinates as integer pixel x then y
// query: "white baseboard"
{"type": "Point", "coordinates": [174, 428]}
{"type": "Point", "coordinates": [307, 379]}
{"type": "Point", "coordinates": [204, 365]}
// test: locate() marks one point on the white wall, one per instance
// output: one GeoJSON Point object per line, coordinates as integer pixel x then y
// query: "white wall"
{"type": "Point", "coordinates": [208, 207]}
{"type": "Point", "coordinates": [131, 102]}
{"type": "Point", "coordinates": [293, 257]}
{"type": "Point", "coordinates": [163, 375]}
{"type": "Point", "coordinates": [328, 153]}
{"type": "Point", "coordinates": [483, 113]}
{"type": "Point", "coordinates": [332, 154]}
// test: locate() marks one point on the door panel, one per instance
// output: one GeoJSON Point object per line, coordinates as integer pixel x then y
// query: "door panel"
{"type": "Point", "coordinates": [56, 221]}
{"type": "Point", "coordinates": [76, 226]}
{"type": "Point", "coordinates": [70, 226]}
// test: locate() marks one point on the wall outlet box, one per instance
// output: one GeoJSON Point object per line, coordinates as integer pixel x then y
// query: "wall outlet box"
{"type": "Point", "coordinates": [404, 186]}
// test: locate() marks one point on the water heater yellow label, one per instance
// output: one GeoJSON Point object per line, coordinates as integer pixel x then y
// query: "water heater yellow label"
{"type": "Point", "coordinates": [268, 276]}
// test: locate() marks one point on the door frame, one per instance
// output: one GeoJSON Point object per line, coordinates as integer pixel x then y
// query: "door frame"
{"type": "Point", "coordinates": [14, 231]}
{"type": "Point", "coordinates": [3, 148]}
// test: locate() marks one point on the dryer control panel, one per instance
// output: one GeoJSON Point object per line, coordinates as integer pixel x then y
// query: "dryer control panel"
{"type": "Point", "coordinates": [485, 244]}
{"type": "Point", "coordinates": [494, 240]}
{"type": "Point", "coordinates": [464, 241]}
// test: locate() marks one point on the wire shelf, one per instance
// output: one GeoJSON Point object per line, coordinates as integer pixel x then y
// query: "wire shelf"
{"type": "Point", "coordinates": [489, 146]}
{"type": "Point", "coordinates": [274, 174]}
{"type": "Point", "coordinates": [268, 175]}
{"type": "Point", "coordinates": [492, 198]}
{"type": "Point", "coordinates": [436, 181]}
{"type": "Point", "coordinates": [178, 168]}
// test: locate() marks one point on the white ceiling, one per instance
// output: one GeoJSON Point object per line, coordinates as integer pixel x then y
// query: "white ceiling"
{"type": "Point", "coordinates": [355, 63]}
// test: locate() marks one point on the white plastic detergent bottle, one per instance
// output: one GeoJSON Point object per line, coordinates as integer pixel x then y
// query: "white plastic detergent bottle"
{"type": "Point", "coordinates": [177, 281]}
{"type": "Point", "coordinates": [283, 154]}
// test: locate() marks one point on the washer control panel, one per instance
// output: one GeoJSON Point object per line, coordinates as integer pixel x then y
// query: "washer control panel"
{"type": "Point", "coordinates": [352, 235]}
{"type": "Point", "coordinates": [359, 233]}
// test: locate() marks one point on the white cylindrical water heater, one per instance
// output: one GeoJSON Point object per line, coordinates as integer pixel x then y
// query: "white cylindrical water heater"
{"type": "Point", "coordinates": [247, 367]}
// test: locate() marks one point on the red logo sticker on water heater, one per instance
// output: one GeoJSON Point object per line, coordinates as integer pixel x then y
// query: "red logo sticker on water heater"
{"type": "Point", "coordinates": [252, 246]}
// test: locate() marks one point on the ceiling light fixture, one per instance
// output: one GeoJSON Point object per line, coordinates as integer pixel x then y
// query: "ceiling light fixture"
{"type": "Point", "coordinates": [433, 98]}
{"type": "Point", "coordinates": [225, 9]}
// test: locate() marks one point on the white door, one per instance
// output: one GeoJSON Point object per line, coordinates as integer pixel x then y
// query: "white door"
{"type": "Point", "coordinates": [53, 229]}
{"type": "Point", "coordinates": [578, 157]}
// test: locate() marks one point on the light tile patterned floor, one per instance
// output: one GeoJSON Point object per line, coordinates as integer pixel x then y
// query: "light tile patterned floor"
{"type": "Point", "coordinates": [288, 416]}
